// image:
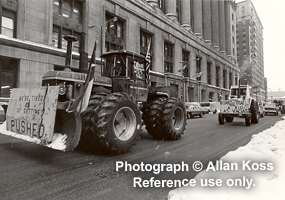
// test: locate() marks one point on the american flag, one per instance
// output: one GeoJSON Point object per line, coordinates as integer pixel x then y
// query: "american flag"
{"type": "Point", "coordinates": [147, 65]}
{"type": "Point", "coordinates": [199, 74]}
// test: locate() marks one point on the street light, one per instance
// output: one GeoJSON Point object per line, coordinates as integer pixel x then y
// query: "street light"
{"type": "Point", "coordinates": [114, 19]}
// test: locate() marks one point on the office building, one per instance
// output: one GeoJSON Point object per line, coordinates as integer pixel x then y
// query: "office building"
{"type": "Point", "coordinates": [197, 34]}
{"type": "Point", "coordinates": [250, 46]}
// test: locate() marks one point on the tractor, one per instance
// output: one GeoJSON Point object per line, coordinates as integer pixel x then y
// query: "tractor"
{"type": "Point", "coordinates": [102, 111]}
{"type": "Point", "coordinates": [241, 104]}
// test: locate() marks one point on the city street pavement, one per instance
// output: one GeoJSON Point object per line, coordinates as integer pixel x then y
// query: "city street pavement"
{"type": "Point", "coordinates": [30, 171]}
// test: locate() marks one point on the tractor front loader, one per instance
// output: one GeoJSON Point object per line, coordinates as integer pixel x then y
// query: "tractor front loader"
{"type": "Point", "coordinates": [100, 111]}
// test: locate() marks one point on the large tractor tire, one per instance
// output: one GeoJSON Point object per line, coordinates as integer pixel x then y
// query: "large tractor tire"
{"type": "Point", "coordinates": [247, 120]}
{"type": "Point", "coordinates": [150, 116]}
{"type": "Point", "coordinates": [94, 101]}
{"type": "Point", "coordinates": [254, 112]}
{"type": "Point", "coordinates": [116, 124]}
{"type": "Point", "coordinates": [221, 118]}
{"type": "Point", "coordinates": [171, 121]}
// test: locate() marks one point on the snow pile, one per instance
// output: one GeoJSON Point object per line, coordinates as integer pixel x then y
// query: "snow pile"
{"type": "Point", "coordinates": [58, 140]}
{"type": "Point", "coordinates": [260, 173]}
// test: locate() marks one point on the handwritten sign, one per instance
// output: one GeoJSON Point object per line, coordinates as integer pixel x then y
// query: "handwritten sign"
{"type": "Point", "coordinates": [31, 112]}
{"type": "Point", "coordinates": [138, 69]}
{"type": "Point", "coordinates": [234, 106]}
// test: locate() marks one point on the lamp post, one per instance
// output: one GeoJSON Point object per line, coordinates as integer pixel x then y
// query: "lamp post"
{"type": "Point", "coordinates": [114, 19]}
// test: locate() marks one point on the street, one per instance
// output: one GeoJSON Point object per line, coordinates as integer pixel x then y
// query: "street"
{"type": "Point", "coordinates": [30, 171]}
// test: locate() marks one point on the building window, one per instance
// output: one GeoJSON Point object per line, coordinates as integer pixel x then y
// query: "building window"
{"type": "Point", "coordinates": [161, 5]}
{"type": "Point", "coordinates": [209, 75]}
{"type": "Point", "coordinates": [211, 95]}
{"type": "Point", "coordinates": [8, 23]}
{"type": "Point", "coordinates": [145, 39]}
{"type": "Point", "coordinates": [185, 57]}
{"type": "Point", "coordinates": [168, 57]}
{"type": "Point", "coordinates": [77, 12]}
{"type": "Point", "coordinates": [8, 69]}
{"type": "Point", "coordinates": [59, 42]}
{"type": "Point", "coordinates": [198, 68]}
{"type": "Point", "coordinates": [243, 10]}
{"type": "Point", "coordinates": [115, 33]}
{"type": "Point", "coordinates": [217, 76]}
{"type": "Point", "coordinates": [71, 10]}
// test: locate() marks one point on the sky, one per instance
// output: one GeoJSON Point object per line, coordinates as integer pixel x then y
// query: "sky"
{"type": "Point", "coordinates": [272, 15]}
{"type": "Point", "coordinates": [265, 148]}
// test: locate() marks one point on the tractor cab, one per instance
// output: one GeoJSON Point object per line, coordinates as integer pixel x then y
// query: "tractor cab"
{"type": "Point", "coordinates": [127, 71]}
{"type": "Point", "coordinates": [241, 91]}
{"type": "Point", "coordinates": [124, 64]}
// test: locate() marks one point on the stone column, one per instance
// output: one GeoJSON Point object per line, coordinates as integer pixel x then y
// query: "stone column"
{"type": "Point", "coordinates": [227, 79]}
{"type": "Point", "coordinates": [207, 25]}
{"type": "Point", "coordinates": [197, 17]}
{"type": "Point", "coordinates": [213, 73]}
{"type": "Point", "coordinates": [215, 23]}
{"type": "Point", "coordinates": [221, 78]}
{"type": "Point", "coordinates": [186, 14]}
{"type": "Point", "coordinates": [170, 9]}
{"type": "Point", "coordinates": [222, 26]}
{"type": "Point", "coordinates": [228, 27]}
{"type": "Point", "coordinates": [233, 78]}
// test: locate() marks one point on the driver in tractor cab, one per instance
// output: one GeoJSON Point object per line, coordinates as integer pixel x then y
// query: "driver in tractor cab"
{"type": "Point", "coordinates": [118, 68]}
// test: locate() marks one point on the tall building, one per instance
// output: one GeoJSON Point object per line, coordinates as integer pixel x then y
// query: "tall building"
{"type": "Point", "coordinates": [196, 34]}
{"type": "Point", "coordinates": [250, 46]}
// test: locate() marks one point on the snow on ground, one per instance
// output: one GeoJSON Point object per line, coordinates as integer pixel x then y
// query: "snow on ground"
{"type": "Point", "coordinates": [260, 171]}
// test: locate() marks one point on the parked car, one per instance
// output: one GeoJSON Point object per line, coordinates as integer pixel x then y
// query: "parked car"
{"type": "Point", "coordinates": [206, 107]}
{"type": "Point", "coordinates": [193, 110]}
{"type": "Point", "coordinates": [210, 106]}
{"type": "Point", "coordinates": [270, 108]}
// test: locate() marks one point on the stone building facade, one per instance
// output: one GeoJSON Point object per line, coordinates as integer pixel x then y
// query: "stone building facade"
{"type": "Point", "coordinates": [250, 47]}
{"type": "Point", "coordinates": [197, 36]}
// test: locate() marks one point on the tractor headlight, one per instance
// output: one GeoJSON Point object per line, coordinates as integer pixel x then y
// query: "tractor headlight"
{"type": "Point", "coordinates": [62, 89]}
